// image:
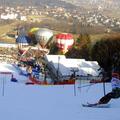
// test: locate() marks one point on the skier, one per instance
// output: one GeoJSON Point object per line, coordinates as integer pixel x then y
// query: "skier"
{"type": "Point", "coordinates": [115, 93]}
{"type": "Point", "coordinates": [36, 71]}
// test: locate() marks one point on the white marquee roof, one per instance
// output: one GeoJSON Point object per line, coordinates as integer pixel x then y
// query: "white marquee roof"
{"type": "Point", "coordinates": [65, 65]}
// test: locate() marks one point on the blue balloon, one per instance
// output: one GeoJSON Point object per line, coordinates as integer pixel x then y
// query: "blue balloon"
{"type": "Point", "coordinates": [23, 39]}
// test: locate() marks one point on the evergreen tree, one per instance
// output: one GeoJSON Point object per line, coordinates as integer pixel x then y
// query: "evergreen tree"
{"type": "Point", "coordinates": [81, 48]}
{"type": "Point", "coordinates": [107, 53]}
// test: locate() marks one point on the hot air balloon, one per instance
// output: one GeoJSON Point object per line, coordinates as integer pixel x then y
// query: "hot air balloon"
{"type": "Point", "coordinates": [32, 33]}
{"type": "Point", "coordinates": [33, 30]}
{"type": "Point", "coordinates": [23, 40]}
{"type": "Point", "coordinates": [43, 36]}
{"type": "Point", "coordinates": [64, 41]}
{"type": "Point", "coordinates": [23, 43]}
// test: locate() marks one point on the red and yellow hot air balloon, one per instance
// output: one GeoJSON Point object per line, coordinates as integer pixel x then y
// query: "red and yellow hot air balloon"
{"type": "Point", "coordinates": [64, 41]}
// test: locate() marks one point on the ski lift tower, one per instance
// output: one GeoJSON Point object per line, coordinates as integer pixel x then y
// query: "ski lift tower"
{"type": "Point", "coordinates": [74, 71]}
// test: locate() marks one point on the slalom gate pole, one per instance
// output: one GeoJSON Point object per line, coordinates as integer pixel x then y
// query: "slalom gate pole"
{"type": "Point", "coordinates": [104, 90]}
{"type": "Point", "coordinates": [4, 76]}
{"type": "Point", "coordinates": [3, 88]}
{"type": "Point", "coordinates": [74, 90]}
{"type": "Point", "coordinates": [80, 85]}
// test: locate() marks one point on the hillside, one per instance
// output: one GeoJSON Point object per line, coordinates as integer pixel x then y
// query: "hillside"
{"type": "Point", "coordinates": [39, 3]}
{"type": "Point", "coordinates": [65, 3]}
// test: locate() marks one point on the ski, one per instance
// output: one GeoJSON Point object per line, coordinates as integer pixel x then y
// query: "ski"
{"type": "Point", "coordinates": [88, 105]}
{"type": "Point", "coordinates": [96, 105]}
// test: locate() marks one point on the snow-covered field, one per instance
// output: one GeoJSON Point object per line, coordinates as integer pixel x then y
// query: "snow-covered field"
{"type": "Point", "coordinates": [60, 102]}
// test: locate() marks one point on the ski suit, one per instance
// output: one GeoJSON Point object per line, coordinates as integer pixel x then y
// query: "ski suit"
{"type": "Point", "coordinates": [115, 82]}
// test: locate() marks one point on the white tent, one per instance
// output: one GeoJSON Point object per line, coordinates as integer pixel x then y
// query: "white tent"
{"type": "Point", "coordinates": [65, 66]}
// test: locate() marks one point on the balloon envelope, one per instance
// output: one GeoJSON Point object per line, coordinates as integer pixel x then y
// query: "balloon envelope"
{"type": "Point", "coordinates": [43, 35]}
{"type": "Point", "coordinates": [32, 33]}
{"type": "Point", "coordinates": [33, 30]}
{"type": "Point", "coordinates": [64, 41]}
{"type": "Point", "coordinates": [22, 39]}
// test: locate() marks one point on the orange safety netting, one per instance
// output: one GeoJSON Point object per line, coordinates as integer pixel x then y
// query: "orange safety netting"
{"type": "Point", "coordinates": [35, 81]}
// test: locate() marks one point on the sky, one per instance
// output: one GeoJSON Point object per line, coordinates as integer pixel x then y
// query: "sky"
{"type": "Point", "coordinates": [52, 102]}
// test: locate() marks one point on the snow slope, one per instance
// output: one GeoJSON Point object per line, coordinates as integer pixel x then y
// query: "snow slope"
{"type": "Point", "coordinates": [6, 67]}
{"type": "Point", "coordinates": [60, 102]}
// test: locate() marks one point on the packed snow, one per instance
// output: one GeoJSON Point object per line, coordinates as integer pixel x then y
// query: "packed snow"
{"type": "Point", "coordinates": [52, 102]}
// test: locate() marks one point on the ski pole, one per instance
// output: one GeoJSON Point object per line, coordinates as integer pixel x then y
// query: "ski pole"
{"type": "Point", "coordinates": [86, 85]}
{"type": "Point", "coordinates": [88, 88]}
